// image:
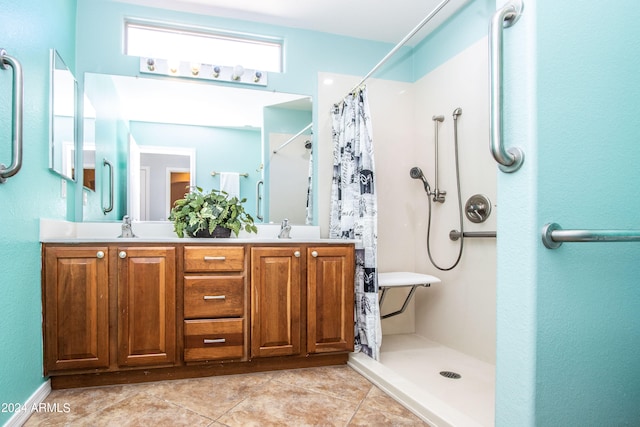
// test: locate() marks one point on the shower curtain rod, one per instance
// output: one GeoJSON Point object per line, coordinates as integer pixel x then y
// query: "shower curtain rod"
{"type": "Point", "coordinates": [290, 140]}
{"type": "Point", "coordinates": [402, 42]}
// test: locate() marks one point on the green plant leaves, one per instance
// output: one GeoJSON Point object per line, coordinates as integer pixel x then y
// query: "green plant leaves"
{"type": "Point", "coordinates": [205, 211]}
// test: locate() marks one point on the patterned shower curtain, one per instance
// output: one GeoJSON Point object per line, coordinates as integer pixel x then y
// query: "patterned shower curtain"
{"type": "Point", "coordinates": [354, 211]}
{"type": "Point", "coordinates": [309, 217]}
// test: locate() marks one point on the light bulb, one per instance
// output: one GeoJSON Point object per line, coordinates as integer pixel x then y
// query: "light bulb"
{"type": "Point", "coordinates": [238, 71]}
{"type": "Point", "coordinates": [174, 65]}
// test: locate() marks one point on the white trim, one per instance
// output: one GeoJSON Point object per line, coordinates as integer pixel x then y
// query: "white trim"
{"type": "Point", "coordinates": [21, 417]}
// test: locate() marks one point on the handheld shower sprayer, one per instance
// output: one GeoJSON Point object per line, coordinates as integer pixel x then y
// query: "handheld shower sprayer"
{"type": "Point", "coordinates": [416, 173]}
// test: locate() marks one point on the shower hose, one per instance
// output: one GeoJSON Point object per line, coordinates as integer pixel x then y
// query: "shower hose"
{"type": "Point", "coordinates": [456, 113]}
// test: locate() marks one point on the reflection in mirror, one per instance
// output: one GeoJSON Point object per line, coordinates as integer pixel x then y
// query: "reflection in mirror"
{"type": "Point", "coordinates": [63, 112]}
{"type": "Point", "coordinates": [89, 146]}
{"type": "Point", "coordinates": [229, 129]}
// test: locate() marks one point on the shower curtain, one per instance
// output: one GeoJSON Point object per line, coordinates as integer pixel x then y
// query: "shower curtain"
{"type": "Point", "coordinates": [309, 217]}
{"type": "Point", "coordinates": [354, 211]}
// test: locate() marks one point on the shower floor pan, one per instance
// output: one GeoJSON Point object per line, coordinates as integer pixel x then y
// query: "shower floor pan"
{"type": "Point", "coordinates": [409, 371]}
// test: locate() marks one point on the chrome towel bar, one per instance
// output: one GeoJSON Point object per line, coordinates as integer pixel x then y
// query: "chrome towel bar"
{"type": "Point", "coordinates": [18, 95]}
{"type": "Point", "coordinates": [553, 235]}
{"type": "Point", "coordinates": [509, 160]}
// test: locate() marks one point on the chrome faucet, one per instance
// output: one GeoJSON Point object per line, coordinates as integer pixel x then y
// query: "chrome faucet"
{"type": "Point", "coordinates": [285, 229]}
{"type": "Point", "coordinates": [127, 232]}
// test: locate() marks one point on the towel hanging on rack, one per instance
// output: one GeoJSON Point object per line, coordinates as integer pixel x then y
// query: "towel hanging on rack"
{"type": "Point", "coordinates": [230, 182]}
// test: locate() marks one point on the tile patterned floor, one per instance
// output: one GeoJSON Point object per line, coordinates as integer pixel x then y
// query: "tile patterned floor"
{"type": "Point", "coordinates": [327, 396]}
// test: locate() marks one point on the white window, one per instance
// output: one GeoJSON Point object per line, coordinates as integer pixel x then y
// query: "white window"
{"type": "Point", "coordinates": [215, 48]}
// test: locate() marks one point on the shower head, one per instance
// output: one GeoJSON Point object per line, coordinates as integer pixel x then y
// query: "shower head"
{"type": "Point", "coordinates": [438, 118]}
{"type": "Point", "coordinates": [456, 113]}
{"type": "Point", "coordinates": [416, 173]}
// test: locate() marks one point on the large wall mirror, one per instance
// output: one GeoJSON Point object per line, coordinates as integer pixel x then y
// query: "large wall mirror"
{"type": "Point", "coordinates": [63, 89]}
{"type": "Point", "coordinates": [165, 134]}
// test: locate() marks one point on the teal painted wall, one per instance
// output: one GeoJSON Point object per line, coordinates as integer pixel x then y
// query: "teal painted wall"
{"type": "Point", "coordinates": [568, 324]}
{"type": "Point", "coordinates": [29, 29]}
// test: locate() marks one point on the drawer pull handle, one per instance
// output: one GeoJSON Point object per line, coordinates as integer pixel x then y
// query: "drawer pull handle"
{"type": "Point", "coordinates": [214, 341]}
{"type": "Point", "coordinates": [122, 254]}
{"type": "Point", "coordinates": [314, 254]}
{"type": "Point", "coordinates": [100, 255]}
{"type": "Point", "coordinates": [210, 297]}
{"type": "Point", "coordinates": [296, 254]}
{"type": "Point", "coordinates": [215, 258]}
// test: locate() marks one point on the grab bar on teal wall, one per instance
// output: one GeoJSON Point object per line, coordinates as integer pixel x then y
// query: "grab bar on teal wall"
{"type": "Point", "coordinates": [16, 132]}
{"type": "Point", "coordinates": [553, 235]}
{"type": "Point", "coordinates": [109, 208]}
{"type": "Point", "coordinates": [511, 159]}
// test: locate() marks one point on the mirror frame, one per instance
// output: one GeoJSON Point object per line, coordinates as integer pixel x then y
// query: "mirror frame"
{"type": "Point", "coordinates": [56, 97]}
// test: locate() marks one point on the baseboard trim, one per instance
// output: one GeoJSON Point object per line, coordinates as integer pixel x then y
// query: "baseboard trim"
{"type": "Point", "coordinates": [21, 417]}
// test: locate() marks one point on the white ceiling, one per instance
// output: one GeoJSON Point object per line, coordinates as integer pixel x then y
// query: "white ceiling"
{"type": "Point", "coordinates": [387, 21]}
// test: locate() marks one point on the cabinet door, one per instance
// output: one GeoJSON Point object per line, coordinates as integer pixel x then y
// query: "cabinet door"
{"type": "Point", "coordinates": [146, 306]}
{"type": "Point", "coordinates": [330, 303]}
{"type": "Point", "coordinates": [275, 301]}
{"type": "Point", "coordinates": [76, 308]}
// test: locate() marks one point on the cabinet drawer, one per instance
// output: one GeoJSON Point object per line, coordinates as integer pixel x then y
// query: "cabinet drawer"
{"type": "Point", "coordinates": [213, 258]}
{"type": "Point", "coordinates": [213, 339]}
{"type": "Point", "coordinates": [213, 296]}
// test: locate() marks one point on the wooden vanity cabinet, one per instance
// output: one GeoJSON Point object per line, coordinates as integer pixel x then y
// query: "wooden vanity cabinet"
{"type": "Point", "coordinates": [108, 307]}
{"type": "Point", "coordinates": [146, 305]}
{"type": "Point", "coordinates": [135, 312]}
{"type": "Point", "coordinates": [299, 292]}
{"type": "Point", "coordinates": [214, 303]}
{"type": "Point", "coordinates": [76, 308]}
{"type": "Point", "coordinates": [330, 300]}
{"type": "Point", "coordinates": [275, 301]}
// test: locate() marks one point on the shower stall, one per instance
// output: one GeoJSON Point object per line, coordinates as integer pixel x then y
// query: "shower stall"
{"type": "Point", "coordinates": [438, 357]}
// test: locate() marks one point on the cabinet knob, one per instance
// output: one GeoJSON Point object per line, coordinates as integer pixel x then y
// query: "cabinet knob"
{"type": "Point", "coordinates": [296, 254]}
{"type": "Point", "coordinates": [122, 254]}
{"type": "Point", "coordinates": [100, 255]}
{"type": "Point", "coordinates": [314, 254]}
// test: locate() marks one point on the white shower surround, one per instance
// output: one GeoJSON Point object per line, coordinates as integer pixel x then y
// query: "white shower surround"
{"type": "Point", "coordinates": [460, 312]}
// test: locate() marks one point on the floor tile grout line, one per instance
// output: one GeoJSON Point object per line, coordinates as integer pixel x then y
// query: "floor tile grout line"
{"type": "Point", "coordinates": [371, 386]}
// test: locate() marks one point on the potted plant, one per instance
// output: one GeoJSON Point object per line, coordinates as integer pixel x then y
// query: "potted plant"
{"type": "Point", "coordinates": [212, 214]}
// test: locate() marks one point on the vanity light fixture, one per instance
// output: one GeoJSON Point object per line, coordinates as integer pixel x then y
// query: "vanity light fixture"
{"type": "Point", "coordinates": [236, 74]}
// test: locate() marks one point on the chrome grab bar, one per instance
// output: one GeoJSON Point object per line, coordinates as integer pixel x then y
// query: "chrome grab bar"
{"type": "Point", "coordinates": [553, 235]}
{"type": "Point", "coordinates": [259, 200]}
{"type": "Point", "coordinates": [455, 234]}
{"type": "Point", "coordinates": [105, 162]}
{"type": "Point", "coordinates": [509, 160]}
{"type": "Point", "coordinates": [16, 132]}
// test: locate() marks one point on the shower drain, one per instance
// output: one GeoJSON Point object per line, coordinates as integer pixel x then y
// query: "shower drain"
{"type": "Point", "coordinates": [451, 375]}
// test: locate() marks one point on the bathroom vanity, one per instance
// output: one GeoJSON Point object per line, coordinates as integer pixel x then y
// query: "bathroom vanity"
{"type": "Point", "coordinates": [133, 310]}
